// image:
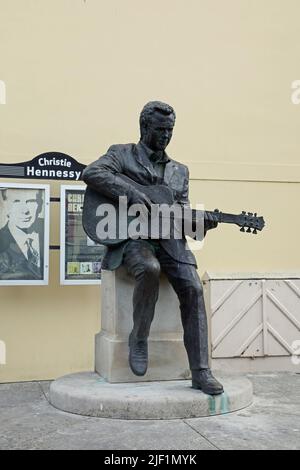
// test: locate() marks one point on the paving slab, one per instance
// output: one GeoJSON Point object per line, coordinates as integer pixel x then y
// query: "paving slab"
{"type": "Point", "coordinates": [271, 422]}
{"type": "Point", "coordinates": [28, 421]}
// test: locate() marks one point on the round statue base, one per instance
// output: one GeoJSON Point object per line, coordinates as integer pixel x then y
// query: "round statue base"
{"type": "Point", "coordinates": [88, 394]}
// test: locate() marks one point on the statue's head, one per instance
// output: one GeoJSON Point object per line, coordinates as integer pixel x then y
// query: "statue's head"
{"type": "Point", "coordinates": [157, 120]}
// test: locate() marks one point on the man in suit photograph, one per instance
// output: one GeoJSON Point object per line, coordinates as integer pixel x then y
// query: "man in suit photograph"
{"type": "Point", "coordinates": [22, 236]}
{"type": "Point", "coordinates": [147, 163]}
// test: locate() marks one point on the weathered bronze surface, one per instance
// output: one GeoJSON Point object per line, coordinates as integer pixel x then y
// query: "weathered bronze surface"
{"type": "Point", "coordinates": [147, 163]}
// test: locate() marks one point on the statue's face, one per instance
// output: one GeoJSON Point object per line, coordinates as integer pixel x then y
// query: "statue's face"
{"type": "Point", "coordinates": [158, 132]}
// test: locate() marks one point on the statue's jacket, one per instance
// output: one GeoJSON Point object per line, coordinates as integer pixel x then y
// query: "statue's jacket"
{"type": "Point", "coordinates": [131, 160]}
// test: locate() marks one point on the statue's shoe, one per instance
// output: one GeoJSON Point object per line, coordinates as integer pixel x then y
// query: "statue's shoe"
{"type": "Point", "coordinates": [205, 381]}
{"type": "Point", "coordinates": [138, 355]}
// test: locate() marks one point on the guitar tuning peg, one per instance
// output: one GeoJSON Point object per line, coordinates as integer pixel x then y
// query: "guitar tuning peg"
{"type": "Point", "coordinates": [242, 229]}
{"type": "Point", "coordinates": [243, 212]}
{"type": "Point", "coordinates": [250, 213]}
{"type": "Point", "coordinates": [255, 231]}
{"type": "Point", "coordinates": [249, 230]}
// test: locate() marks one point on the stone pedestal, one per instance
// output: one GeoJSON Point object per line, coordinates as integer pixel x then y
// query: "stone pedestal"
{"type": "Point", "coordinates": [167, 355]}
{"type": "Point", "coordinates": [106, 394]}
{"type": "Point", "coordinates": [89, 394]}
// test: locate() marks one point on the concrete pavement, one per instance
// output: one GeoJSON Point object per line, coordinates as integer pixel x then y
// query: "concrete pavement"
{"type": "Point", "coordinates": [28, 421]}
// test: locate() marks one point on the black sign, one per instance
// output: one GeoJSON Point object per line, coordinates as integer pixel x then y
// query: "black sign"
{"type": "Point", "coordinates": [47, 166]}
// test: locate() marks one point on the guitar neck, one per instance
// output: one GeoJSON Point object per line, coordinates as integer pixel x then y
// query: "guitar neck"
{"type": "Point", "coordinates": [243, 220]}
{"type": "Point", "coordinates": [225, 218]}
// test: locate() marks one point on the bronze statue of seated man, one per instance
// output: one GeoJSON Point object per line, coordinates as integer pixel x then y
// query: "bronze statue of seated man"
{"type": "Point", "coordinates": [147, 163]}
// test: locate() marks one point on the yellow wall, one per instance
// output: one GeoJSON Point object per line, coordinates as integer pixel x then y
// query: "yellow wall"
{"type": "Point", "coordinates": [77, 74]}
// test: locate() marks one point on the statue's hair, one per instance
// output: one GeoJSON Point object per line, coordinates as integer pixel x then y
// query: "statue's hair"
{"type": "Point", "coordinates": [154, 106]}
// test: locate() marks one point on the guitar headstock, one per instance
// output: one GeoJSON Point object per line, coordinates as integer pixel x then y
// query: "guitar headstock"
{"type": "Point", "coordinates": [250, 221]}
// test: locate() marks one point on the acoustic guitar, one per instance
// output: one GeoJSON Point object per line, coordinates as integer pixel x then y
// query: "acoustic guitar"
{"type": "Point", "coordinates": [96, 210]}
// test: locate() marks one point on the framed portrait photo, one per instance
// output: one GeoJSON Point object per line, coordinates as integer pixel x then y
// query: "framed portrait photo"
{"type": "Point", "coordinates": [80, 257]}
{"type": "Point", "coordinates": [24, 234]}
